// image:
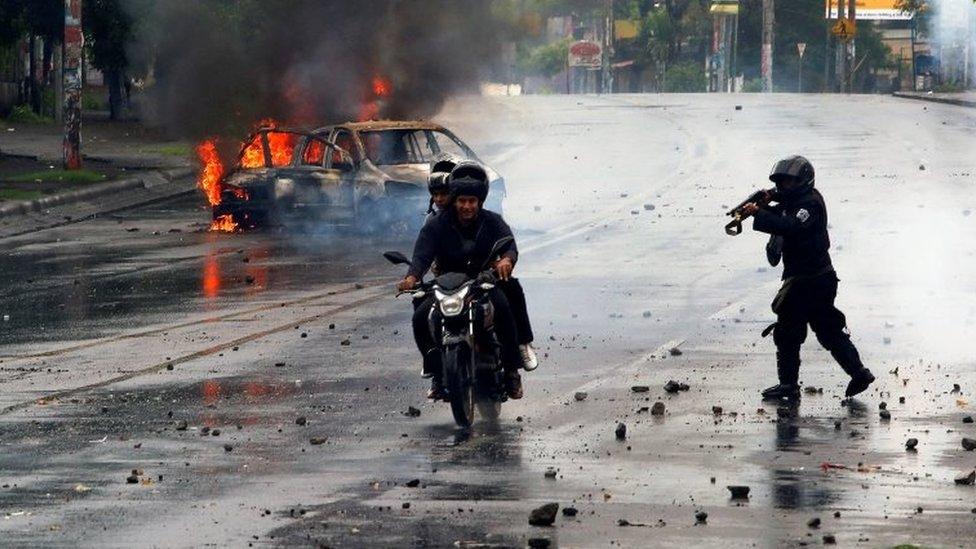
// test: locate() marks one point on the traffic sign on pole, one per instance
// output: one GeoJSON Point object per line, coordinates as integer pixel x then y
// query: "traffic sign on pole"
{"type": "Point", "coordinates": [801, 47]}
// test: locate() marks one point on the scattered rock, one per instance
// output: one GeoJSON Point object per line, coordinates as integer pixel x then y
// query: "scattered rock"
{"type": "Point", "coordinates": [675, 351]}
{"type": "Point", "coordinates": [911, 444]}
{"type": "Point", "coordinates": [580, 396]}
{"type": "Point", "coordinates": [717, 410]}
{"type": "Point", "coordinates": [413, 483]}
{"type": "Point", "coordinates": [301, 420]}
{"type": "Point", "coordinates": [966, 479]}
{"type": "Point", "coordinates": [132, 479]}
{"type": "Point", "coordinates": [738, 107]}
{"type": "Point", "coordinates": [316, 441]}
{"type": "Point", "coordinates": [701, 517]}
{"type": "Point", "coordinates": [182, 425]}
{"type": "Point", "coordinates": [921, 167]}
{"type": "Point", "coordinates": [550, 473]}
{"type": "Point", "coordinates": [829, 539]}
{"type": "Point", "coordinates": [570, 511]}
{"type": "Point", "coordinates": [646, 314]}
{"type": "Point", "coordinates": [739, 492]}
{"type": "Point", "coordinates": [621, 431]}
{"type": "Point", "coordinates": [406, 505]}
{"type": "Point", "coordinates": [813, 390]}
{"type": "Point", "coordinates": [649, 207]}
{"type": "Point", "coordinates": [539, 543]}
{"type": "Point", "coordinates": [673, 386]}
{"type": "Point", "coordinates": [969, 444]}
{"type": "Point", "coordinates": [814, 522]}
{"type": "Point", "coordinates": [657, 409]}
{"type": "Point", "coordinates": [885, 415]}
{"type": "Point", "coordinates": [544, 516]}
{"type": "Point", "coordinates": [882, 405]}
{"type": "Point", "coordinates": [412, 412]}
{"type": "Point", "coordinates": [967, 419]}
{"type": "Point", "coordinates": [228, 447]}
{"type": "Point", "coordinates": [640, 389]}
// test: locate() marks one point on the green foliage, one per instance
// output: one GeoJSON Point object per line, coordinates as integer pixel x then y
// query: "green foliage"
{"type": "Point", "coordinates": [66, 176]}
{"type": "Point", "coordinates": [108, 28]}
{"type": "Point", "coordinates": [686, 77]}
{"type": "Point", "coordinates": [20, 194]}
{"type": "Point", "coordinates": [22, 114]}
{"type": "Point", "coordinates": [545, 60]}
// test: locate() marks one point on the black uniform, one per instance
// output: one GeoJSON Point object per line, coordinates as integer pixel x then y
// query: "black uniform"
{"type": "Point", "coordinates": [464, 249]}
{"type": "Point", "coordinates": [809, 284]}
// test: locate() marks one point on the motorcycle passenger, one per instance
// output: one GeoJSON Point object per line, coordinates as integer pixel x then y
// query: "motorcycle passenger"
{"type": "Point", "coordinates": [438, 184]}
{"type": "Point", "coordinates": [460, 240]}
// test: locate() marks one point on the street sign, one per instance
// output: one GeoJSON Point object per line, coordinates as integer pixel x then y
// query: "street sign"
{"type": "Point", "coordinates": [585, 53]}
{"type": "Point", "coordinates": [844, 28]}
{"type": "Point", "coordinates": [801, 47]}
{"type": "Point", "coordinates": [725, 7]}
{"type": "Point", "coordinates": [876, 10]}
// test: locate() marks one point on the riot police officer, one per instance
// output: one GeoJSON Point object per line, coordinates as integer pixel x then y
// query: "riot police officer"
{"type": "Point", "coordinates": [797, 225]}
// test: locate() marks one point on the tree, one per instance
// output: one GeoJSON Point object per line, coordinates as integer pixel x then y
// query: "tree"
{"type": "Point", "coordinates": [108, 28]}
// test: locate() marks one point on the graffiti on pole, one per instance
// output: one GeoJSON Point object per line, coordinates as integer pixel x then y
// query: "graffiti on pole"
{"type": "Point", "coordinates": [74, 41]}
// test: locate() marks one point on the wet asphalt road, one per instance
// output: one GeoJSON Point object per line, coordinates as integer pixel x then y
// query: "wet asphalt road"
{"type": "Point", "coordinates": [140, 346]}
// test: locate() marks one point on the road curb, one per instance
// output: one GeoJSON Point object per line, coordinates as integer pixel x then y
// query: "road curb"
{"type": "Point", "coordinates": [937, 99]}
{"type": "Point", "coordinates": [144, 181]}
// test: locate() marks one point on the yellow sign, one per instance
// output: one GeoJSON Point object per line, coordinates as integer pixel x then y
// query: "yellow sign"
{"type": "Point", "coordinates": [625, 29]}
{"type": "Point", "coordinates": [875, 10]}
{"type": "Point", "coordinates": [725, 7]}
{"type": "Point", "coordinates": [845, 29]}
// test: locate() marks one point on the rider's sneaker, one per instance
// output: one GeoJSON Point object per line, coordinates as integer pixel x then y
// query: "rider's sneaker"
{"type": "Point", "coordinates": [513, 385]}
{"type": "Point", "coordinates": [436, 391]}
{"type": "Point", "coordinates": [782, 392]}
{"type": "Point", "coordinates": [859, 383]}
{"type": "Point", "coordinates": [432, 364]}
{"type": "Point", "coordinates": [530, 361]}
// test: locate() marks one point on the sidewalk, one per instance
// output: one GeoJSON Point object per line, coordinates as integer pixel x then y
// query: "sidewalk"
{"type": "Point", "coordinates": [137, 164]}
{"type": "Point", "coordinates": [962, 99]}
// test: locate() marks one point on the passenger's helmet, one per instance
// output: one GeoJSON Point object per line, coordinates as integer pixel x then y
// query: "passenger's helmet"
{"type": "Point", "coordinates": [795, 167]}
{"type": "Point", "coordinates": [469, 178]}
{"type": "Point", "coordinates": [440, 171]}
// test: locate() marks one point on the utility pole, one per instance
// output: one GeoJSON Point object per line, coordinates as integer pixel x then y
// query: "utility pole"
{"type": "Point", "coordinates": [766, 63]}
{"type": "Point", "coordinates": [840, 49]}
{"type": "Point", "coordinates": [607, 83]}
{"type": "Point", "coordinates": [851, 52]}
{"type": "Point", "coordinates": [73, 43]}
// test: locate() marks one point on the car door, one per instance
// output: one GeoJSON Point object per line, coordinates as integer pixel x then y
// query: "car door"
{"type": "Point", "coordinates": [320, 177]}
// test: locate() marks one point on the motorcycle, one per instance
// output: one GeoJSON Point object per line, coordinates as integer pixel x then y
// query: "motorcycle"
{"type": "Point", "coordinates": [463, 326]}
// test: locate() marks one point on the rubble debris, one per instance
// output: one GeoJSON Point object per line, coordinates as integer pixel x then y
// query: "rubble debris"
{"type": "Point", "coordinates": [544, 516]}
{"type": "Point", "coordinates": [550, 473]}
{"type": "Point", "coordinates": [570, 511]}
{"type": "Point", "coordinates": [675, 351]}
{"type": "Point", "coordinates": [412, 412]}
{"type": "Point", "coordinates": [969, 444]}
{"type": "Point", "coordinates": [639, 389]}
{"type": "Point", "coordinates": [967, 419]}
{"type": "Point", "coordinates": [316, 441]}
{"type": "Point", "coordinates": [911, 444]}
{"type": "Point", "coordinates": [967, 478]}
{"type": "Point", "coordinates": [301, 421]}
{"type": "Point", "coordinates": [673, 386]}
{"type": "Point", "coordinates": [413, 483]}
{"type": "Point", "coordinates": [739, 492]}
{"type": "Point", "coordinates": [701, 517]}
{"type": "Point", "coordinates": [345, 342]}
{"type": "Point", "coordinates": [228, 448]}
{"type": "Point", "coordinates": [738, 107]}
{"type": "Point", "coordinates": [814, 522]}
{"type": "Point", "coordinates": [810, 390]}
{"type": "Point", "coordinates": [580, 396]}
{"type": "Point", "coordinates": [649, 207]}
{"type": "Point", "coordinates": [539, 543]}
{"type": "Point", "coordinates": [182, 425]}
{"type": "Point", "coordinates": [829, 539]}
{"type": "Point", "coordinates": [621, 431]}
{"type": "Point", "coordinates": [717, 410]}
{"type": "Point", "coordinates": [133, 478]}
{"type": "Point", "coordinates": [657, 409]}
{"type": "Point", "coordinates": [885, 415]}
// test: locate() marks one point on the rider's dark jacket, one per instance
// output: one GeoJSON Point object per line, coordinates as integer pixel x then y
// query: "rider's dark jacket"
{"type": "Point", "coordinates": [460, 249]}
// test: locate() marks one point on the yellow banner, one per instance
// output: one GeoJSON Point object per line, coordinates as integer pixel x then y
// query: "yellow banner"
{"type": "Point", "coordinates": [875, 10]}
{"type": "Point", "coordinates": [625, 29]}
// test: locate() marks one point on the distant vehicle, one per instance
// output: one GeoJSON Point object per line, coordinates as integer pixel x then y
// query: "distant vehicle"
{"type": "Point", "coordinates": [372, 175]}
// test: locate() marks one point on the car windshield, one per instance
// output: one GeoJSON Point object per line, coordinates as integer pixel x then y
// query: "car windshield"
{"type": "Point", "coordinates": [408, 146]}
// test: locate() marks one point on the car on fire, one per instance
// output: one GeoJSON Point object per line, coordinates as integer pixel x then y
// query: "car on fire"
{"type": "Point", "coordinates": [370, 175]}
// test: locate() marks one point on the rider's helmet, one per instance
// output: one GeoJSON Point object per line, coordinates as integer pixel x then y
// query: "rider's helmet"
{"type": "Point", "coordinates": [440, 170]}
{"type": "Point", "coordinates": [469, 178]}
{"type": "Point", "coordinates": [793, 174]}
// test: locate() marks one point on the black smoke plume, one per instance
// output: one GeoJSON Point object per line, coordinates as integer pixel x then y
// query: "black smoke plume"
{"type": "Point", "coordinates": [218, 66]}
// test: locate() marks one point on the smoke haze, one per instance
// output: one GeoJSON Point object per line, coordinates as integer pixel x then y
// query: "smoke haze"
{"type": "Point", "coordinates": [221, 66]}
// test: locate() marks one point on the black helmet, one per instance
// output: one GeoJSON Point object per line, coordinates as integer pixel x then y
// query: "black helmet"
{"type": "Point", "coordinates": [437, 182]}
{"type": "Point", "coordinates": [445, 163]}
{"type": "Point", "coordinates": [469, 179]}
{"type": "Point", "coordinates": [795, 167]}
{"type": "Point", "coordinates": [440, 170]}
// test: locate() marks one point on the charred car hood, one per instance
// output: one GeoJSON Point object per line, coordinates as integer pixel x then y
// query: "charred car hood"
{"type": "Point", "coordinates": [407, 173]}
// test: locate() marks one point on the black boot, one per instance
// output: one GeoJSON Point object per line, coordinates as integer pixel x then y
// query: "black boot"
{"type": "Point", "coordinates": [436, 391]}
{"type": "Point", "coordinates": [859, 382]}
{"type": "Point", "coordinates": [782, 392]}
{"type": "Point", "coordinates": [432, 364]}
{"type": "Point", "coordinates": [513, 385]}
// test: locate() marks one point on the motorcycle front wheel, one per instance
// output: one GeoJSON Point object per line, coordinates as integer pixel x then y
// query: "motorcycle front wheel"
{"type": "Point", "coordinates": [460, 385]}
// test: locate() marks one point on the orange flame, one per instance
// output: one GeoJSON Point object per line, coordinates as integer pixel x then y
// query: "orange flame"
{"type": "Point", "coordinates": [224, 224]}
{"type": "Point", "coordinates": [213, 170]}
{"type": "Point", "coordinates": [281, 145]}
{"type": "Point", "coordinates": [381, 89]}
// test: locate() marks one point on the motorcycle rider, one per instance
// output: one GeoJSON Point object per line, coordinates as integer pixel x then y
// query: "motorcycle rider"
{"type": "Point", "coordinates": [459, 240]}
{"type": "Point", "coordinates": [797, 224]}
{"type": "Point", "coordinates": [438, 184]}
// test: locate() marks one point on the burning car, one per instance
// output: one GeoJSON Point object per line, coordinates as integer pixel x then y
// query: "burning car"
{"type": "Point", "coordinates": [370, 175]}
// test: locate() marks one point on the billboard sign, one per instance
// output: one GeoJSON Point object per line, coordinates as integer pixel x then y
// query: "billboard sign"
{"type": "Point", "coordinates": [585, 53]}
{"type": "Point", "coordinates": [870, 10]}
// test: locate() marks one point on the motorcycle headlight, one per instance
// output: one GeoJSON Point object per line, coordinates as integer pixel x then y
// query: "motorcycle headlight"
{"type": "Point", "coordinates": [452, 304]}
